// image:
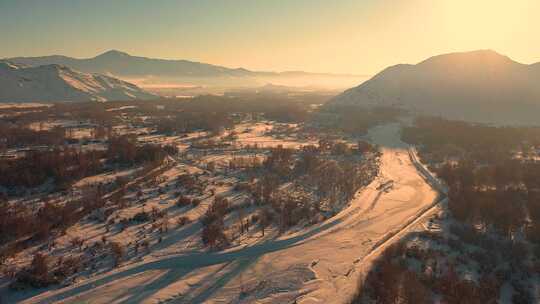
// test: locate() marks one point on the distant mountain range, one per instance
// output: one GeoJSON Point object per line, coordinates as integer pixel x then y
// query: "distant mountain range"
{"type": "Point", "coordinates": [121, 64]}
{"type": "Point", "coordinates": [480, 86]}
{"type": "Point", "coordinates": [54, 82]}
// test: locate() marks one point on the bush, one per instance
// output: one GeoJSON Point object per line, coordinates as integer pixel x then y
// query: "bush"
{"type": "Point", "coordinates": [195, 202]}
{"type": "Point", "coordinates": [183, 220]}
{"type": "Point", "coordinates": [68, 267]}
{"type": "Point", "coordinates": [213, 235]}
{"type": "Point", "coordinates": [184, 201]}
{"type": "Point", "coordinates": [37, 276]}
{"type": "Point", "coordinates": [141, 217]}
{"type": "Point", "coordinates": [213, 223]}
{"type": "Point", "coordinates": [76, 242]}
{"type": "Point", "coordinates": [118, 252]}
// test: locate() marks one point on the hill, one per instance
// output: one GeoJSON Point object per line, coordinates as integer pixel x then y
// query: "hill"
{"type": "Point", "coordinates": [52, 83]}
{"type": "Point", "coordinates": [158, 73]}
{"type": "Point", "coordinates": [479, 86]}
{"type": "Point", "coordinates": [124, 65]}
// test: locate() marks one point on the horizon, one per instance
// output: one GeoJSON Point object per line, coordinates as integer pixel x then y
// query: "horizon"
{"type": "Point", "coordinates": [273, 71]}
{"type": "Point", "coordinates": [311, 36]}
{"type": "Point", "coordinates": [182, 59]}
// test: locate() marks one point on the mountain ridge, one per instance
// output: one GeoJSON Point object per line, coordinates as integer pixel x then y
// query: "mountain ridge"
{"type": "Point", "coordinates": [54, 83]}
{"type": "Point", "coordinates": [140, 66]}
{"type": "Point", "coordinates": [480, 86]}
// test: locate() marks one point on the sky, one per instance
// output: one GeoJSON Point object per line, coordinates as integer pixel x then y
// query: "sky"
{"type": "Point", "coordinates": [338, 36]}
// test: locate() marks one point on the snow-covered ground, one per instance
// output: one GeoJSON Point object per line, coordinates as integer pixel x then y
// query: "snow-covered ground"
{"type": "Point", "coordinates": [53, 83]}
{"type": "Point", "coordinates": [260, 134]}
{"type": "Point", "coordinates": [319, 264]}
{"type": "Point", "coordinates": [24, 105]}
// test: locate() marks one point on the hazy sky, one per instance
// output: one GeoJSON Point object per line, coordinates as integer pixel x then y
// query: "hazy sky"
{"type": "Point", "coordinates": [349, 36]}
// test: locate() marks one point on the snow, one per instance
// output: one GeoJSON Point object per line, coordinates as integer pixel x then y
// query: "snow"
{"type": "Point", "coordinates": [478, 86]}
{"type": "Point", "coordinates": [260, 134]}
{"type": "Point", "coordinates": [105, 177]}
{"type": "Point", "coordinates": [318, 264]}
{"type": "Point", "coordinates": [27, 105]}
{"type": "Point", "coordinates": [53, 83]}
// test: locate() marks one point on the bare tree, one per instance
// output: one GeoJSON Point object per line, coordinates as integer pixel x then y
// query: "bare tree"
{"type": "Point", "coordinates": [118, 253]}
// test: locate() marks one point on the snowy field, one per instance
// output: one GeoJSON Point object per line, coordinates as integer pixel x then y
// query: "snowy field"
{"type": "Point", "coordinates": [318, 264]}
{"type": "Point", "coordinates": [24, 105]}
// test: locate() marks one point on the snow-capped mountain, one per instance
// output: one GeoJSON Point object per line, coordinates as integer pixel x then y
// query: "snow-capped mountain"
{"type": "Point", "coordinates": [52, 83]}
{"type": "Point", "coordinates": [149, 72]}
{"type": "Point", "coordinates": [124, 65]}
{"type": "Point", "coordinates": [481, 86]}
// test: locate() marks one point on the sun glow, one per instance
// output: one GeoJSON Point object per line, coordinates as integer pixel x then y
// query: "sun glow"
{"type": "Point", "coordinates": [346, 36]}
{"type": "Point", "coordinates": [488, 22]}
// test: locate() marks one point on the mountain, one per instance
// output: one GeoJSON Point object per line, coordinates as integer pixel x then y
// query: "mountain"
{"type": "Point", "coordinates": [53, 82]}
{"type": "Point", "coordinates": [479, 86]}
{"type": "Point", "coordinates": [150, 72]}
{"type": "Point", "coordinates": [124, 65]}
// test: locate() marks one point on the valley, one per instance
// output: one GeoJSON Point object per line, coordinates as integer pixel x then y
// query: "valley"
{"type": "Point", "coordinates": [132, 179]}
{"type": "Point", "coordinates": [305, 265]}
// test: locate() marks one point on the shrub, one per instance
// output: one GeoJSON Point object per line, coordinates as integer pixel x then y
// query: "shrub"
{"type": "Point", "coordinates": [195, 202]}
{"type": "Point", "coordinates": [67, 267]}
{"type": "Point", "coordinates": [183, 220]}
{"type": "Point", "coordinates": [141, 217]}
{"type": "Point", "coordinates": [76, 242]}
{"type": "Point", "coordinates": [213, 235]}
{"type": "Point", "coordinates": [184, 201]}
{"type": "Point", "coordinates": [118, 253]}
{"type": "Point", "coordinates": [37, 276]}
